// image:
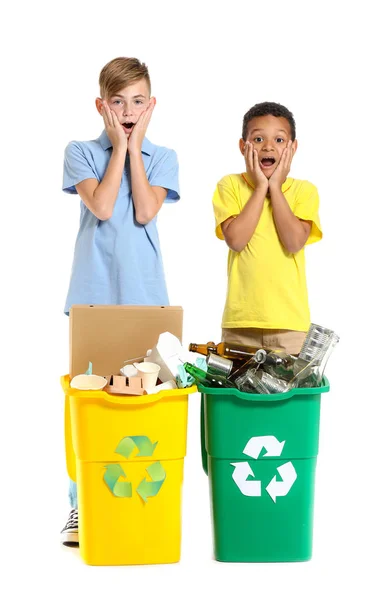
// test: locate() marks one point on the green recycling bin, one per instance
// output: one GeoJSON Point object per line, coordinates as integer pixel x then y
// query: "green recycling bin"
{"type": "Point", "coordinates": [260, 452]}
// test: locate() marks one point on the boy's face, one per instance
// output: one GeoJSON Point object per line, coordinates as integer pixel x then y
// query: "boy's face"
{"type": "Point", "coordinates": [269, 136]}
{"type": "Point", "coordinates": [128, 104]}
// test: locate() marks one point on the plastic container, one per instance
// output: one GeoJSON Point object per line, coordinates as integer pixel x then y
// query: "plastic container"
{"type": "Point", "coordinates": [259, 452]}
{"type": "Point", "coordinates": [127, 454]}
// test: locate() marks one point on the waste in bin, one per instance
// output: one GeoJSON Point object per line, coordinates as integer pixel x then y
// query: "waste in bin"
{"type": "Point", "coordinates": [259, 452]}
{"type": "Point", "coordinates": [127, 455]}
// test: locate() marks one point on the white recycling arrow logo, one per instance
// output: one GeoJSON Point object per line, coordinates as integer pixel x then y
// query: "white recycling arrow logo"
{"type": "Point", "coordinates": [272, 445]}
{"type": "Point", "coordinates": [281, 488]}
{"type": "Point", "coordinates": [240, 475]}
{"type": "Point", "coordinates": [243, 470]}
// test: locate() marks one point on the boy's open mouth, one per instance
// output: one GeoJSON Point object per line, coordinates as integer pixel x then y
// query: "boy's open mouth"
{"type": "Point", "coordinates": [128, 127]}
{"type": "Point", "coordinates": [267, 162]}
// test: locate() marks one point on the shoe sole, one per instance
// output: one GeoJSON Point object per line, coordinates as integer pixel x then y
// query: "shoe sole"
{"type": "Point", "coordinates": [70, 538]}
{"type": "Point", "coordinates": [71, 544]}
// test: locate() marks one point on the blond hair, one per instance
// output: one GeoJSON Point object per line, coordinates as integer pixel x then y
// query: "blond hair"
{"type": "Point", "coordinates": [119, 73]}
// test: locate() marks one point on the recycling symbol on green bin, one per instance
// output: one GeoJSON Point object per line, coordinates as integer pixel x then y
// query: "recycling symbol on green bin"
{"type": "Point", "coordinates": [243, 470]}
{"type": "Point", "coordinates": [146, 488]}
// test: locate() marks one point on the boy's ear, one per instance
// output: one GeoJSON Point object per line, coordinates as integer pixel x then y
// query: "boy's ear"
{"type": "Point", "coordinates": [99, 105]}
{"type": "Point", "coordinates": [242, 146]}
{"type": "Point", "coordinates": [295, 146]}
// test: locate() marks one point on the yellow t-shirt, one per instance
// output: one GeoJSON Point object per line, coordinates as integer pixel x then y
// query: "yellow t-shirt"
{"type": "Point", "coordinates": [266, 284]}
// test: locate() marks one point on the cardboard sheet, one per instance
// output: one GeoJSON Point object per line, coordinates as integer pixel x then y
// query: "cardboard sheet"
{"type": "Point", "coordinates": [109, 335]}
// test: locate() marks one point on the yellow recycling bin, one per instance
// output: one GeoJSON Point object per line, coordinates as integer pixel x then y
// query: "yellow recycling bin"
{"type": "Point", "coordinates": [127, 455]}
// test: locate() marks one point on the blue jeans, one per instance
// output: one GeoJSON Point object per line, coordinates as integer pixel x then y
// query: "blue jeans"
{"type": "Point", "coordinates": [72, 493]}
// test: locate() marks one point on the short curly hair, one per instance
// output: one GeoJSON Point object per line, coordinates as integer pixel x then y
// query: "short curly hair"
{"type": "Point", "coordinates": [268, 108]}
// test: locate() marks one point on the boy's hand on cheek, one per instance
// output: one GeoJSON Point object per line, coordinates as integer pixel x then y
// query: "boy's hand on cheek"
{"type": "Point", "coordinates": [114, 129]}
{"type": "Point", "coordinates": [281, 172]}
{"type": "Point", "coordinates": [253, 167]}
{"type": "Point", "coordinates": [135, 141]}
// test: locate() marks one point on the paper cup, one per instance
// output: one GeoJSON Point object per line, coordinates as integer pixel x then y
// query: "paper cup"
{"type": "Point", "coordinates": [148, 372]}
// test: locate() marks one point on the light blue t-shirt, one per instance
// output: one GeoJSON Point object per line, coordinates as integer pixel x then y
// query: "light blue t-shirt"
{"type": "Point", "coordinates": [117, 261]}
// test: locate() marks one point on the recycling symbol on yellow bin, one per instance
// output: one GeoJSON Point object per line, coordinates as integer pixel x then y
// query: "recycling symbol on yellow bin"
{"type": "Point", "coordinates": [146, 488]}
{"type": "Point", "coordinates": [243, 470]}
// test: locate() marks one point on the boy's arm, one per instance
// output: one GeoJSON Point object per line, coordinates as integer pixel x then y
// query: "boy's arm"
{"type": "Point", "coordinates": [238, 230]}
{"type": "Point", "coordinates": [293, 232]}
{"type": "Point", "coordinates": [100, 198]}
{"type": "Point", "coordinates": [147, 199]}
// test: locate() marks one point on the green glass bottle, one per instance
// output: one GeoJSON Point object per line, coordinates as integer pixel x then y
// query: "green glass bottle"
{"type": "Point", "coordinates": [207, 379]}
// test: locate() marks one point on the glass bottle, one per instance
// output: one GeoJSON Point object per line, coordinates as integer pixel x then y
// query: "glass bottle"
{"type": "Point", "coordinates": [250, 381]}
{"type": "Point", "coordinates": [232, 351]}
{"type": "Point", "coordinates": [275, 358]}
{"type": "Point", "coordinates": [278, 363]}
{"type": "Point", "coordinates": [261, 382]}
{"type": "Point", "coordinates": [314, 355]}
{"type": "Point", "coordinates": [317, 341]}
{"type": "Point", "coordinates": [241, 368]}
{"type": "Point", "coordinates": [207, 379]}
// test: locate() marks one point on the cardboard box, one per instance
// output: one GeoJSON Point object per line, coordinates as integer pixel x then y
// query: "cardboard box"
{"type": "Point", "coordinates": [110, 335]}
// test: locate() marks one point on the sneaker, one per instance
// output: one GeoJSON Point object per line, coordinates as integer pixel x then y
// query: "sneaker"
{"type": "Point", "coordinates": [69, 532]}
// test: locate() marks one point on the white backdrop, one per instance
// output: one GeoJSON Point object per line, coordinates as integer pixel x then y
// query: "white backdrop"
{"type": "Point", "coordinates": [209, 62]}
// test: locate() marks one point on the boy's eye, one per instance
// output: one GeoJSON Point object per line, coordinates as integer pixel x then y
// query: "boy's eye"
{"type": "Point", "coordinates": [138, 102]}
{"type": "Point", "coordinates": [280, 140]}
{"type": "Point", "coordinates": [258, 139]}
{"type": "Point", "coordinates": [117, 101]}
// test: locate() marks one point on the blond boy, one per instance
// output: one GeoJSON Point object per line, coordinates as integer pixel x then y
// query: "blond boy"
{"type": "Point", "coordinates": [122, 180]}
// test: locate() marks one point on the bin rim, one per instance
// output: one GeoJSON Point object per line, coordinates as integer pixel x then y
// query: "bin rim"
{"type": "Point", "coordinates": [124, 400]}
{"type": "Point", "coordinates": [235, 393]}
